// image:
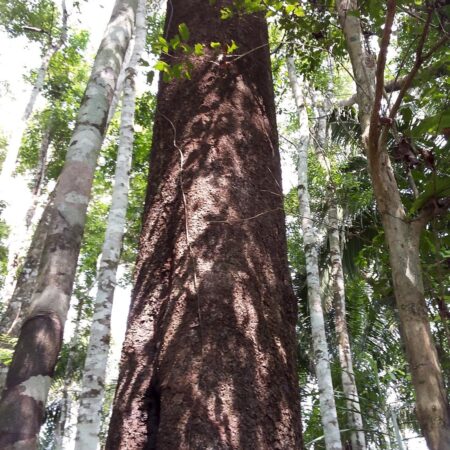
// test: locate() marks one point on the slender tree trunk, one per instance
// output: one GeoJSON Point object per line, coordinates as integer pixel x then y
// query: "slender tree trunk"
{"type": "Point", "coordinates": [93, 382]}
{"type": "Point", "coordinates": [21, 236]}
{"type": "Point", "coordinates": [311, 248]}
{"type": "Point", "coordinates": [209, 356]}
{"type": "Point", "coordinates": [398, 434]}
{"type": "Point", "coordinates": [349, 387]}
{"type": "Point", "coordinates": [61, 432]}
{"type": "Point", "coordinates": [402, 238]}
{"type": "Point", "coordinates": [17, 309]}
{"type": "Point", "coordinates": [29, 378]}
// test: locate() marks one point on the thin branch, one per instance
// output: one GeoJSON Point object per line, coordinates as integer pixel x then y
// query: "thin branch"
{"type": "Point", "coordinates": [418, 62]}
{"type": "Point", "coordinates": [379, 74]}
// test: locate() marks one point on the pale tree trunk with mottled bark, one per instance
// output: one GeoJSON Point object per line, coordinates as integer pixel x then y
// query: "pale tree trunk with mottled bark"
{"type": "Point", "coordinates": [311, 243]}
{"type": "Point", "coordinates": [208, 361]}
{"type": "Point", "coordinates": [323, 107]}
{"type": "Point", "coordinates": [93, 382]}
{"type": "Point", "coordinates": [402, 234]}
{"type": "Point", "coordinates": [30, 374]}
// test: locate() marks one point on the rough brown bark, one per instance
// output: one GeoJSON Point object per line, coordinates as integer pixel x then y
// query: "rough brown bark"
{"type": "Point", "coordinates": [209, 356]}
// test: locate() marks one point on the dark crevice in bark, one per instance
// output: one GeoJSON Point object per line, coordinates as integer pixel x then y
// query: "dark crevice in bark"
{"type": "Point", "coordinates": [154, 410]}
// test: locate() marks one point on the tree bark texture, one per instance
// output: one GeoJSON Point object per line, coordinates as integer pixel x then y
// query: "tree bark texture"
{"type": "Point", "coordinates": [93, 382]}
{"type": "Point", "coordinates": [402, 237]}
{"type": "Point", "coordinates": [209, 356]}
{"type": "Point", "coordinates": [28, 381]}
{"type": "Point", "coordinates": [311, 243]}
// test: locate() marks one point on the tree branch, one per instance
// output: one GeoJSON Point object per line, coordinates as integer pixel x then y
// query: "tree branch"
{"type": "Point", "coordinates": [432, 208]}
{"type": "Point", "coordinates": [379, 73]}
{"type": "Point", "coordinates": [417, 63]}
{"type": "Point", "coordinates": [437, 70]}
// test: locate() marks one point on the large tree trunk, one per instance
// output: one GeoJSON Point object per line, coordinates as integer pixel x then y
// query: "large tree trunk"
{"type": "Point", "coordinates": [209, 356]}
{"type": "Point", "coordinates": [311, 244]}
{"type": "Point", "coordinates": [93, 382]}
{"type": "Point", "coordinates": [402, 238]}
{"type": "Point", "coordinates": [29, 378]}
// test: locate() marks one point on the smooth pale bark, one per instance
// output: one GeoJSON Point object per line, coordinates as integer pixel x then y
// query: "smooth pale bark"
{"type": "Point", "coordinates": [208, 361]}
{"type": "Point", "coordinates": [30, 374]}
{"type": "Point", "coordinates": [402, 236]}
{"type": "Point", "coordinates": [398, 434]}
{"type": "Point", "coordinates": [311, 248]}
{"type": "Point", "coordinates": [93, 382]}
{"type": "Point", "coordinates": [61, 433]}
{"type": "Point", "coordinates": [349, 387]}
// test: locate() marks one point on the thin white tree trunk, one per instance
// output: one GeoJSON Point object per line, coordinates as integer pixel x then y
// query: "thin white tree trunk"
{"type": "Point", "coordinates": [310, 243]}
{"type": "Point", "coordinates": [349, 387]}
{"type": "Point", "coordinates": [61, 432]}
{"type": "Point", "coordinates": [398, 434]}
{"type": "Point", "coordinates": [41, 334]}
{"type": "Point", "coordinates": [93, 382]}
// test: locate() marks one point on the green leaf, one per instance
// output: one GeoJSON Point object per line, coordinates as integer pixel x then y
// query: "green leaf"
{"type": "Point", "coordinates": [162, 66]}
{"type": "Point", "coordinates": [232, 47]}
{"type": "Point", "coordinates": [226, 13]}
{"type": "Point", "coordinates": [299, 11]}
{"type": "Point", "coordinates": [296, 9]}
{"type": "Point", "coordinates": [175, 42]}
{"type": "Point", "coordinates": [184, 31]}
{"type": "Point", "coordinates": [198, 50]}
{"type": "Point", "coordinates": [215, 45]}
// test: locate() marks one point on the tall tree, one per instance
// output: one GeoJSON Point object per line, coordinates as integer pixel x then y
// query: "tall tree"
{"type": "Point", "coordinates": [402, 233]}
{"type": "Point", "coordinates": [93, 382]}
{"type": "Point", "coordinates": [311, 245]}
{"type": "Point", "coordinates": [30, 374]}
{"type": "Point", "coordinates": [209, 355]}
